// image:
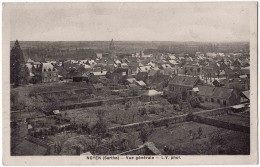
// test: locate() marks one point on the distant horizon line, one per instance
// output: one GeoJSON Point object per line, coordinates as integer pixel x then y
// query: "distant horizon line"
{"type": "Point", "coordinates": [132, 41]}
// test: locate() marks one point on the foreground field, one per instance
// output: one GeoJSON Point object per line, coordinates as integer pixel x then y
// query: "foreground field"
{"type": "Point", "coordinates": [212, 141]}
{"type": "Point", "coordinates": [234, 119]}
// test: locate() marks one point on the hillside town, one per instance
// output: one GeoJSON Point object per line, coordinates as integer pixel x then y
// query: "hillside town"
{"type": "Point", "coordinates": [117, 102]}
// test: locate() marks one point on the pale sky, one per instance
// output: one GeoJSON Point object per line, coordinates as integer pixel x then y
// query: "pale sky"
{"type": "Point", "coordinates": [129, 22]}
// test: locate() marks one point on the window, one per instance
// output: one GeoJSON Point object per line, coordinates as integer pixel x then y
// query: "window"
{"type": "Point", "coordinates": [172, 88]}
{"type": "Point", "coordinates": [224, 102]}
{"type": "Point", "coordinates": [212, 100]}
{"type": "Point", "coordinates": [218, 101]}
{"type": "Point", "coordinates": [190, 93]}
{"type": "Point", "coordinates": [206, 99]}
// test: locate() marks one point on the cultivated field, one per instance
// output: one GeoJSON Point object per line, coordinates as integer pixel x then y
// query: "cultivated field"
{"type": "Point", "coordinates": [119, 114]}
{"type": "Point", "coordinates": [234, 119]}
{"type": "Point", "coordinates": [213, 140]}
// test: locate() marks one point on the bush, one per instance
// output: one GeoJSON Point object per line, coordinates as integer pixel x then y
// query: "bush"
{"type": "Point", "coordinates": [194, 103]}
{"type": "Point", "coordinates": [152, 110]}
{"type": "Point", "coordinates": [100, 129]}
{"type": "Point", "coordinates": [176, 107]}
{"type": "Point", "coordinates": [189, 116]}
{"type": "Point", "coordinates": [143, 111]}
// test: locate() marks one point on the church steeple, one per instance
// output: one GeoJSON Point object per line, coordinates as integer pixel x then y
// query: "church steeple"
{"type": "Point", "coordinates": [112, 45]}
{"type": "Point", "coordinates": [112, 49]}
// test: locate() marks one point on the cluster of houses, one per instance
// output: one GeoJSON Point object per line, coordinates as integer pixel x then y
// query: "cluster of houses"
{"type": "Point", "coordinates": [182, 88]}
{"type": "Point", "coordinates": [214, 77]}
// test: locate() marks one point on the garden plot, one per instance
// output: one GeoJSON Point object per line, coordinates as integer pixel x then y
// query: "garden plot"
{"type": "Point", "coordinates": [211, 141]}
{"type": "Point", "coordinates": [119, 114]}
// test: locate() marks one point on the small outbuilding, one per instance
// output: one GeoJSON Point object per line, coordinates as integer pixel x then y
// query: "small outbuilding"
{"type": "Point", "coordinates": [151, 95]}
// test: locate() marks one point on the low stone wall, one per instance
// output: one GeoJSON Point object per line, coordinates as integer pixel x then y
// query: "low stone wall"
{"type": "Point", "coordinates": [213, 112]}
{"type": "Point", "coordinates": [37, 141]}
{"type": "Point", "coordinates": [50, 150]}
{"type": "Point", "coordinates": [146, 149]}
{"type": "Point", "coordinates": [153, 123]}
{"type": "Point", "coordinates": [61, 92]}
{"type": "Point", "coordinates": [200, 117]}
{"type": "Point", "coordinates": [81, 105]}
{"type": "Point", "coordinates": [221, 124]}
{"type": "Point", "coordinates": [97, 103]}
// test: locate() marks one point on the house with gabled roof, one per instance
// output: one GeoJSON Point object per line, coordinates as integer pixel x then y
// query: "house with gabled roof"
{"type": "Point", "coordinates": [173, 62]}
{"type": "Point", "coordinates": [142, 76]}
{"type": "Point", "coordinates": [119, 74]}
{"type": "Point", "coordinates": [151, 95]}
{"type": "Point", "coordinates": [141, 84]}
{"type": "Point", "coordinates": [144, 68]}
{"type": "Point", "coordinates": [172, 57]}
{"type": "Point", "coordinates": [220, 95]}
{"type": "Point", "coordinates": [146, 149]}
{"type": "Point", "coordinates": [98, 87]}
{"type": "Point", "coordinates": [62, 71]}
{"type": "Point", "coordinates": [99, 55]}
{"type": "Point", "coordinates": [179, 86]}
{"type": "Point", "coordinates": [245, 96]}
{"type": "Point", "coordinates": [237, 63]}
{"type": "Point", "coordinates": [156, 78]}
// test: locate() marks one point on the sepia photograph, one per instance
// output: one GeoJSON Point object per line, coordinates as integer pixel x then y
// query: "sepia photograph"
{"type": "Point", "coordinates": [126, 80]}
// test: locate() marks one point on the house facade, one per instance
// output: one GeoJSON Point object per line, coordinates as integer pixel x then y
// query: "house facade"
{"type": "Point", "coordinates": [45, 72]}
{"type": "Point", "coordinates": [219, 95]}
{"type": "Point", "coordinates": [49, 73]}
{"type": "Point", "coordinates": [180, 86]}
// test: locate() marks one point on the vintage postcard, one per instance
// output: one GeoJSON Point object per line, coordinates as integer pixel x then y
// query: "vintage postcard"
{"type": "Point", "coordinates": [129, 83]}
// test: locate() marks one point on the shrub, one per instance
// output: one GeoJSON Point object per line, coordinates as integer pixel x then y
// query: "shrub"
{"type": "Point", "coordinates": [176, 107]}
{"type": "Point", "coordinates": [143, 111]}
{"type": "Point", "coordinates": [145, 133]}
{"type": "Point", "coordinates": [189, 116]}
{"type": "Point", "coordinates": [152, 110]}
{"type": "Point", "coordinates": [100, 129]}
{"type": "Point", "coordinates": [194, 103]}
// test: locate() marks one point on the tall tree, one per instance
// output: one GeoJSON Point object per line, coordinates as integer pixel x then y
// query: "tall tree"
{"type": "Point", "coordinates": [19, 73]}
